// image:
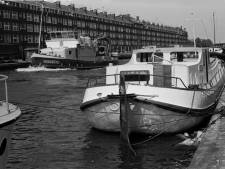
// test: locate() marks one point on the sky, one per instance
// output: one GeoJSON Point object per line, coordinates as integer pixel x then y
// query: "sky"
{"type": "Point", "coordinates": [194, 15]}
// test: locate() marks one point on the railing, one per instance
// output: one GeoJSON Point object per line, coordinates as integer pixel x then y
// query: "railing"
{"type": "Point", "coordinates": [214, 80]}
{"type": "Point", "coordinates": [101, 80]}
{"type": "Point", "coordinates": [4, 78]}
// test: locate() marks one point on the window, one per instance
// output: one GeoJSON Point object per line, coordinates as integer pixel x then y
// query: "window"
{"type": "Point", "coordinates": [36, 39]}
{"type": "Point", "coordinates": [7, 26]}
{"type": "Point", "coordinates": [30, 39]}
{"type": "Point", "coordinates": [6, 14]}
{"type": "Point", "coordinates": [54, 20]}
{"type": "Point", "coordinates": [29, 28]}
{"type": "Point", "coordinates": [1, 38]}
{"type": "Point", "coordinates": [181, 56]}
{"type": "Point", "coordinates": [70, 22]}
{"type": "Point", "coordinates": [15, 38]}
{"type": "Point", "coordinates": [64, 21]}
{"type": "Point", "coordinates": [48, 19]}
{"type": "Point", "coordinates": [36, 28]}
{"type": "Point", "coordinates": [29, 17]}
{"type": "Point", "coordinates": [36, 18]}
{"type": "Point", "coordinates": [7, 38]}
{"type": "Point", "coordinates": [23, 27]}
{"type": "Point", "coordinates": [14, 15]}
{"type": "Point", "coordinates": [149, 57]}
{"type": "Point", "coordinates": [49, 28]}
{"type": "Point", "coordinates": [15, 27]}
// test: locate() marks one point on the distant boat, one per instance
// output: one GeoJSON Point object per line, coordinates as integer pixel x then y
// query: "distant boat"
{"type": "Point", "coordinates": [65, 49]}
{"type": "Point", "coordinates": [171, 90]}
{"type": "Point", "coordinates": [9, 113]}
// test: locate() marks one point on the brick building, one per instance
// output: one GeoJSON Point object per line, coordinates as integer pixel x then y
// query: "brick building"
{"type": "Point", "coordinates": [20, 24]}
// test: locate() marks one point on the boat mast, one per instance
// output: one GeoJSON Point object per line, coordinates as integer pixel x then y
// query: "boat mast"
{"type": "Point", "coordinates": [193, 30]}
{"type": "Point", "coordinates": [39, 39]}
{"type": "Point", "coordinates": [194, 34]}
{"type": "Point", "coordinates": [214, 29]}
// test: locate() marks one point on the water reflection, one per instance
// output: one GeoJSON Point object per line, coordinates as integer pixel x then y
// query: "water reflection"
{"type": "Point", "coordinates": [105, 150]}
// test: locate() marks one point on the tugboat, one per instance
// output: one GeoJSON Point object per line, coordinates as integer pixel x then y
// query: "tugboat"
{"type": "Point", "coordinates": [65, 49]}
{"type": "Point", "coordinates": [168, 90]}
{"type": "Point", "coordinates": [9, 113]}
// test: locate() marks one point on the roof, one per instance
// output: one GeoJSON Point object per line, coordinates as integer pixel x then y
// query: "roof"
{"type": "Point", "coordinates": [123, 19]}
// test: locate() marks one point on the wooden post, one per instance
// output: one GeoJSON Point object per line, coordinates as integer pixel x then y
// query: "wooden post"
{"type": "Point", "coordinates": [125, 114]}
{"type": "Point", "coordinates": [124, 123]}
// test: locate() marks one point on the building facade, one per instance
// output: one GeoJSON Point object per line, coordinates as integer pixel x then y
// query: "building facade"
{"type": "Point", "coordinates": [20, 23]}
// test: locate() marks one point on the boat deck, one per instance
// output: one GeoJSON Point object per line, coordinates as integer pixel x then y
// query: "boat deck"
{"type": "Point", "coordinates": [7, 116]}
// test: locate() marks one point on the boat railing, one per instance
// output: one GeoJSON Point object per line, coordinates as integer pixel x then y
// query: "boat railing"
{"type": "Point", "coordinates": [214, 80]}
{"type": "Point", "coordinates": [175, 82]}
{"type": "Point", "coordinates": [3, 79]}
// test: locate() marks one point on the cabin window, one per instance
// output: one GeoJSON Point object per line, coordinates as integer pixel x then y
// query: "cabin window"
{"type": "Point", "coordinates": [144, 57]}
{"type": "Point", "coordinates": [182, 56]}
{"type": "Point", "coordinates": [158, 57]}
{"type": "Point", "coordinates": [136, 76]}
{"type": "Point", "coordinates": [150, 57]}
{"type": "Point", "coordinates": [58, 35]}
{"type": "Point", "coordinates": [53, 35]}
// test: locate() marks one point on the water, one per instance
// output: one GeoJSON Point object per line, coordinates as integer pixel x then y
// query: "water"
{"type": "Point", "coordinates": [53, 133]}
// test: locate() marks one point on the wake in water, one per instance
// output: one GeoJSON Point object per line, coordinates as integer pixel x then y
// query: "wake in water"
{"type": "Point", "coordinates": [39, 69]}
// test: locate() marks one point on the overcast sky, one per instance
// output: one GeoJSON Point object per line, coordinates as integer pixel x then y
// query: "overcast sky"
{"type": "Point", "coordinates": [168, 12]}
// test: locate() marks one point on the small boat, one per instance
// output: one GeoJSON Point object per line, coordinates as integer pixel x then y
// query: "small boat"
{"type": "Point", "coordinates": [9, 113]}
{"type": "Point", "coordinates": [168, 90]}
{"type": "Point", "coordinates": [66, 49]}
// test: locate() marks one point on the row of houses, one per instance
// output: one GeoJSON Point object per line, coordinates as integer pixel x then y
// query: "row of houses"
{"type": "Point", "coordinates": [20, 23]}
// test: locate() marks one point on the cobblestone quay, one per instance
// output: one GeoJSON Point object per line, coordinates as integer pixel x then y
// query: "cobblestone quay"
{"type": "Point", "coordinates": [211, 151]}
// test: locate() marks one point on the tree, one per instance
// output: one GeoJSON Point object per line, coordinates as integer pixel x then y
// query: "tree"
{"type": "Point", "coordinates": [203, 42]}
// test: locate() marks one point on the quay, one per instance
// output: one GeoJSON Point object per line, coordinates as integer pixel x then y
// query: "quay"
{"type": "Point", "coordinates": [211, 151]}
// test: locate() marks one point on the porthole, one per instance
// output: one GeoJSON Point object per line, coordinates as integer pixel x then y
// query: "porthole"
{"type": "Point", "coordinates": [3, 146]}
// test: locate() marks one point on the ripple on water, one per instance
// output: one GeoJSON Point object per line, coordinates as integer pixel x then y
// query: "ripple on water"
{"type": "Point", "coordinates": [53, 133]}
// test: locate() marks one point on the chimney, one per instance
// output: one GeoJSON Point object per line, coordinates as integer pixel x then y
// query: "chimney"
{"type": "Point", "coordinates": [112, 15]}
{"type": "Point", "coordinates": [84, 9]}
{"type": "Point", "coordinates": [58, 4]}
{"type": "Point", "coordinates": [95, 11]}
{"type": "Point", "coordinates": [72, 6]}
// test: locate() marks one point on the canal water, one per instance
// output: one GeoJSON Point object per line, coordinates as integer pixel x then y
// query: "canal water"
{"type": "Point", "coordinates": [53, 133]}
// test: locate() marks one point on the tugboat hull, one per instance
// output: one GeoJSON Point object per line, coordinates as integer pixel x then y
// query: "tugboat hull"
{"type": "Point", "coordinates": [52, 62]}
